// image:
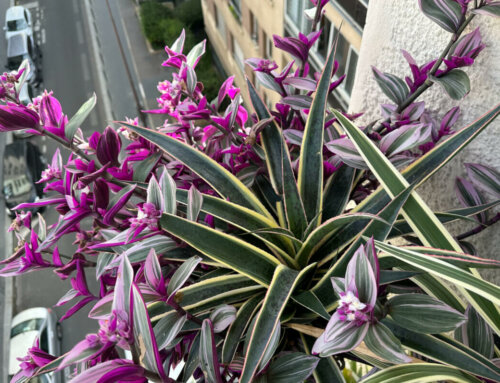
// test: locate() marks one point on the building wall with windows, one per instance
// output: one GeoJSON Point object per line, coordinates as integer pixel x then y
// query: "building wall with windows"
{"type": "Point", "coordinates": [241, 29]}
{"type": "Point", "coordinates": [392, 25]}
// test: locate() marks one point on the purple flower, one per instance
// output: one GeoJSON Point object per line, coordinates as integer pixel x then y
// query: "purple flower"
{"type": "Point", "coordinates": [262, 65]}
{"type": "Point", "coordinates": [358, 295]}
{"type": "Point", "coordinates": [50, 111]}
{"type": "Point", "coordinates": [54, 170]}
{"type": "Point", "coordinates": [34, 359]}
{"type": "Point", "coordinates": [17, 117]}
{"type": "Point", "coordinates": [147, 218]}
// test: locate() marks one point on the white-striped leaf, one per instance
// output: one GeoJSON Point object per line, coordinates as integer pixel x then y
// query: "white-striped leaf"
{"type": "Point", "coordinates": [343, 338]}
{"type": "Point", "coordinates": [291, 368]}
{"type": "Point", "coordinates": [445, 271]}
{"type": "Point", "coordinates": [423, 313]}
{"type": "Point", "coordinates": [445, 13]}
{"type": "Point", "coordinates": [469, 196]}
{"type": "Point", "coordinates": [476, 334]}
{"type": "Point", "coordinates": [492, 9]}
{"type": "Point", "coordinates": [455, 83]}
{"type": "Point", "coordinates": [154, 194]}
{"type": "Point", "coordinates": [222, 317]}
{"type": "Point", "coordinates": [194, 202]}
{"type": "Point", "coordinates": [168, 188]}
{"type": "Point", "coordinates": [346, 150]}
{"type": "Point", "coordinates": [167, 329]}
{"type": "Point", "coordinates": [392, 86]}
{"type": "Point", "coordinates": [182, 274]}
{"type": "Point", "coordinates": [381, 341]}
{"type": "Point", "coordinates": [208, 354]}
{"type": "Point", "coordinates": [484, 177]}
{"type": "Point", "coordinates": [404, 138]}
{"type": "Point", "coordinates": [421, 373]}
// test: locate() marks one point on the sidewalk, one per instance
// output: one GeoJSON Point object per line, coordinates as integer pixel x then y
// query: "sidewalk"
{"type": "Point", "coordinates": [144, 66]}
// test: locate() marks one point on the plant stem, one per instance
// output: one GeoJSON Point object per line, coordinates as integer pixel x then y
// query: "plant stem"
{"type": "Point", "coordinates": [171, 302]}
{"type": "Point", "coordinates": [428, 83]}
{"type": "Point", "coordinates": [479, 228]}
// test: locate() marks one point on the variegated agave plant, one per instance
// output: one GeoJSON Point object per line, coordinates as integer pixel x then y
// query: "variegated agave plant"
{"type": "Point", "coordinates": [292, 281]}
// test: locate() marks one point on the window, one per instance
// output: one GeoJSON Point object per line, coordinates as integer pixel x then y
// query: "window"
{"type": "Point", "coordinates": [238, 55]}
{"type": "Point", "coordinates": [295, 19]}
{"type": "Point", "coordinates": [355, 9]}
{"type": "Point", "coordinates": [341, 52]}
{"type": "Point", "coordinates": [235, 6]}
{"type": "Point", "coordinates": [324, 45]}
{"type": "Point", "coordinates": [267, 44]}
{"type": "Point", "coordinates": [44, 342]}
{"type": "Point", "coordinates": [351, 72]}
{"type": "Point", "coordinates": [219, 21]}
{"type": "Point", "coordinates": [254, 28]}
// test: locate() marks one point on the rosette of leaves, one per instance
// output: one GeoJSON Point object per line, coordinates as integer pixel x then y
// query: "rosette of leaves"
{"type": "Point", "coordinates": [264, 295]}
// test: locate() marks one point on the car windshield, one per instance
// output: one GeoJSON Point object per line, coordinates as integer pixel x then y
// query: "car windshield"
{"type": "Point", "coordinates": [14, 62]}
{"type": "Point", "coordinates": [16, 25]}
{"type": "Point", "coordinates": [29, 325]}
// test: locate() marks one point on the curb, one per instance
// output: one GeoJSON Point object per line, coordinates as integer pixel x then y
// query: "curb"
{"type": "Point", "coordinates": [101, 76]}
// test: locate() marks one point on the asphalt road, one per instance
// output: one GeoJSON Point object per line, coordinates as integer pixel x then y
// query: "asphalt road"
{"type": "Point", "coordinates": [68, 69]}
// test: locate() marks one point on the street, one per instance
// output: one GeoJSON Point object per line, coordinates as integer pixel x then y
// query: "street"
{"type": "Point", "coordinates": [87, 47]}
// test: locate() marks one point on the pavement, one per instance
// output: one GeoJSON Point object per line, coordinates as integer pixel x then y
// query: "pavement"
{"type": "Point", "coordinates": [87, 47]}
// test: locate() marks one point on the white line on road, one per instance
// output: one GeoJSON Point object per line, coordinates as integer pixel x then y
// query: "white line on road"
{"type": "Point", "coordinates": [43, 36]}
{"type": "Point", "coordinates": [85, 67]}
{"type": "Point", "coordinates": [33, 4]}
{"type": "Point", "coordinates": [44, 149]}
{"type": "Point", "coordinates": [79, 32]}
{"type": "Point", "coordinates": [76, 10]}
{"type": "Point", "coordinates": [99, 66]}
{"type": "Point", "coordinates": [93, 119]}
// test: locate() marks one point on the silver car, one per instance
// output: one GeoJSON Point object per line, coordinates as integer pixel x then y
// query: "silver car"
{"type": "Point", "coordinates": [27, 326]}
{"type": "Point", "coordinates": [17, 19]}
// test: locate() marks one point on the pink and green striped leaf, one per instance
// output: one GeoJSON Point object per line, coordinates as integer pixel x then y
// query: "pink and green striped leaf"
{"type": "Point", "coordinates": [392, 86]}
{"type": "Point", "coordinates": [424, 314]}
{"type": "Point", "coordinates": [380, 340]}
{"type": "Point", "coordinates": [445, 13]}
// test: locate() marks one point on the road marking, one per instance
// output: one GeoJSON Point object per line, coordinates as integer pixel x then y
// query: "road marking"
{"type": "Point", "coordinates": [85, 67]}
{"type": "Point", "coordinates": [44, 138]}
{"type": "Point", "coordinates": [79, 32]}
{"type": "Point", "coordinates": [76, 11]}
{"type": "Point", "coordinates": [44, 148]}
{"type": "Point", "coordinates": [43, 36]}
{"type": "Point", "coordinates": [33, 4]}
{"type": "Point", "coordinates": [93, 119]}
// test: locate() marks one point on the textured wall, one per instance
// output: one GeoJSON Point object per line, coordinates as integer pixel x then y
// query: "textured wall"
{"type": "Point", "coordinates": [393, 25]}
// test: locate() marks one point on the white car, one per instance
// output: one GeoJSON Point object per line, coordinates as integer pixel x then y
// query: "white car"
{"type": "Point", "coordinates": [37, 322]}
{"type": "Point", "coordinates": [17, 19]}
{"type": "Point", "coordinates": [20, 47]}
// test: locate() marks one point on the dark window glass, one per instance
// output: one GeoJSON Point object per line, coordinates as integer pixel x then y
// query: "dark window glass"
{"type": "Point", "coordinates": [29, 325]}
{"type": "Point", "coordinates": [351, 72]}
{"type": "Point", "coordinates": [16, 25]}
{"type": "Point", "coordinates": [324, 39]}
{"type": "Point", "coordinates": [14, 62]}
{"type": "Point", "coordinates": [341, 51]}
{"type": "Point", "coordinates": [44, 342]}
{"type": "Point", "coordinates": [354, 8]}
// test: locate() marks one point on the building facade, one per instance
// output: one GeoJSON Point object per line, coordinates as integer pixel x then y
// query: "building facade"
{"type": "Point", "coordinates": [241, 29]}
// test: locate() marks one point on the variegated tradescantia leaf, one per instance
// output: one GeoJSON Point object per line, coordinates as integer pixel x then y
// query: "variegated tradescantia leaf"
{"type": "Point", "coordinates": [491, 9]}
{"type": "Point", "coordinates": [476, 334]}
{"type": "Point", "coordinates": [392, 86]}
{"type": "Point", "coordinates": [222, 317]}
{"type": "Point", "coordinates": [421, 373]}
{"type": "Point", "coordinates": [484, 177]}
{"type": "Point", "coordinates": [208, 354]}
{"type": "Point", "coordinates": [380, 340]}
{"type": "Point", "coordinates": [294, 367]}
{"type": "Point", "coordinates": [456, 83]}
{"type": "Point", "coordinates": [423, 313]}
{"type": "Point", "coordinates": [446, 13]}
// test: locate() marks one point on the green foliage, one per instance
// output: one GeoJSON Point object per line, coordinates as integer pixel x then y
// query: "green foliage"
{"type": "Point", "coordinates": [162, 26]}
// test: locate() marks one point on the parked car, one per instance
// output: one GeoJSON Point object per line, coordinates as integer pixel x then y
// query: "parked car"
{"type": "Point", "coordinates": [27, 326]}
{"type": "Point", "coordinates": [20, 47]}
{"type": "Point", "coordinates": [23, 164]}
{"type": "Point", "coordinates": [18, 19]}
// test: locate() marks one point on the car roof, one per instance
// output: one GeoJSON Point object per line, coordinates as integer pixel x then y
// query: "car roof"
{"type": "Point", "coordinates": [14, 13]}
{"type": "Point", "coordinates": [35, 312]}
{"type": "Point", "coordinates": [17, 45]}
{"type": "Point", "coordinates": [19, 346]}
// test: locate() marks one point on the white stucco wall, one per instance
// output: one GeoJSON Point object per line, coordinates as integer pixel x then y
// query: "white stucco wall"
{"type": "Point", "coordinates": [393, 25]}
